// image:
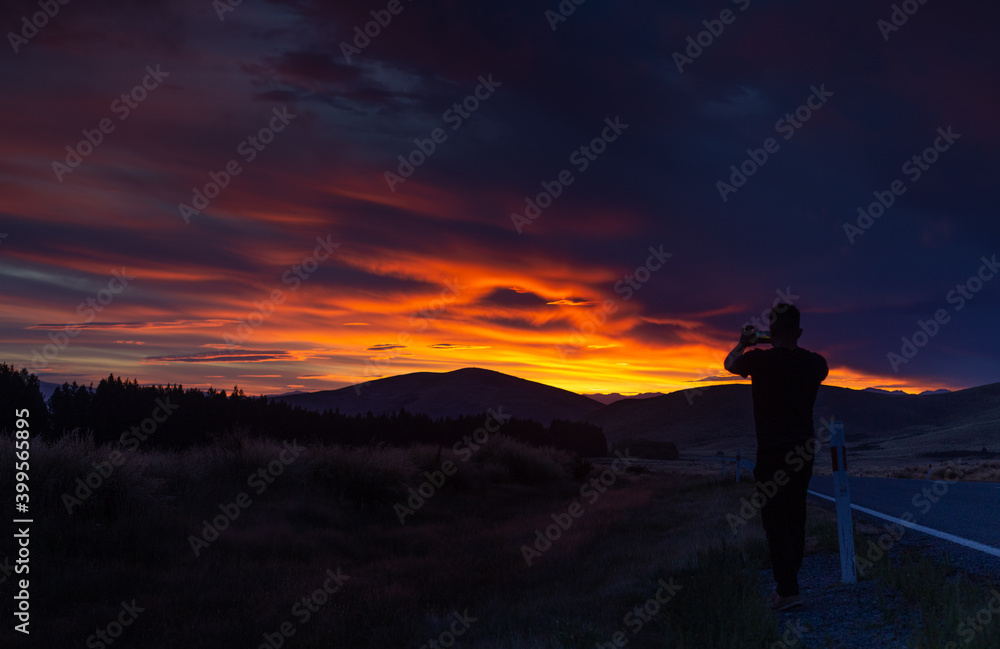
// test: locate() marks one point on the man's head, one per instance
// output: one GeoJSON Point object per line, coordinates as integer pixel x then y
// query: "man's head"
{"type": "Point", "coordinates": [785, 330]}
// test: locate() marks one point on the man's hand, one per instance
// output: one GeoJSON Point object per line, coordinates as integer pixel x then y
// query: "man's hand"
{"type": "Point", "coordinates": [746, 340]}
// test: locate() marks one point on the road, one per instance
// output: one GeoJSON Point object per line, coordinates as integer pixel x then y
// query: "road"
{"type": "Point", "coordinates": [963, 513]}
{"type": "Point", "coordinates": [967, 510]}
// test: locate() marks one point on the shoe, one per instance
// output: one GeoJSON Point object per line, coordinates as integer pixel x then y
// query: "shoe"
{"type": "Point", "coordinates": [779, 603]}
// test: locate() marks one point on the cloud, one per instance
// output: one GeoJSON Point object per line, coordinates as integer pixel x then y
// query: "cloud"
{"type": "Point", "coordinates": [233, 356]}
{"type": "Point", "coordinates": [169, 324]}
{"type": "Point", "coordinates": [451, 346]}
{"type": "Point", "coordinates": [573, 301]}
{"type": "Point", "coordinates": [450, 220]}
{"type": "Point", "coordinates": [719, 378]}
{"type": "Point", "coordinates": [512, 298]}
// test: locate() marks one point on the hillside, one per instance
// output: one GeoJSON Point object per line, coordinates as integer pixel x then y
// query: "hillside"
{"type": "Point", "coordinates": [705, 419]}
{"type": "Point", "coordinates": [876, 424]}
{"type": "Point", "coordinates": [467, 391]}
{"type": "Point", "coordinates": [611, 397]}
{"type": "Point", "coordinates": [879, 425]}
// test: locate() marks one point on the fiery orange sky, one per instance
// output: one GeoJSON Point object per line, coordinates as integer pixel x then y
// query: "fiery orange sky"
{"type": "Point", "coordinates": [220, 200]}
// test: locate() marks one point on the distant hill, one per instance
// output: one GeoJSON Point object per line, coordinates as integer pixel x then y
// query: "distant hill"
{"type": "Point", "coordinates": [615, 396]}
{"type": "Point", "coordinates": [716, 417]}
{"type": "Point", "coordinates": [287, 394]}
{"type": "Point", "coordinates": [881, 391]}
{"type": "Point", "coordinates": [879, 424]}
{"type": "Point", "coordinates": [703, 420]}
{"type": "Point", "coordinates": [47, 388]}
{"type": "Point", "coordinates": [466, 391]}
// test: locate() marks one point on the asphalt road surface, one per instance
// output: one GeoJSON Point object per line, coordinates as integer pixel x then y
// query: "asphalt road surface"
{"type": "Point", "coordinates": [967, 510]}
{"type": "Point", "coordinates": [964, 514]}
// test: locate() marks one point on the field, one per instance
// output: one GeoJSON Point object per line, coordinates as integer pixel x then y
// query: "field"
{"type": "Point", "coordinates": [252, 543]}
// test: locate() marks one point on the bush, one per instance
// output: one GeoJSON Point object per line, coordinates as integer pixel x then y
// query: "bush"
{"type": "Point", "coordinates": [523, 463]}
{"type": "Point", "coordinates": [363, 475]}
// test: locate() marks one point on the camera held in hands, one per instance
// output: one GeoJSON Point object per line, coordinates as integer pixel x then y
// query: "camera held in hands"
{"type": "Point", "coordinates": [756, 337]}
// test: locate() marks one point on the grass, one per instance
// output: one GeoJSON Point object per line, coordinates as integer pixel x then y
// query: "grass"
{"type": "Point", "coordinates": [333, 508]}
{"type": "Point", "coordinates": [972, 470]}
{"type": "Point", "coordinates": [954, 608]}
{"type": "Point", "coordinates": [947, 600]}
{"type": "Point", "coordinates": [722, 607]}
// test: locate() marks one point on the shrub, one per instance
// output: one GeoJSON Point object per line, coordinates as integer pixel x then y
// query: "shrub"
{"type": "Point", "coordinates": [523, 463]}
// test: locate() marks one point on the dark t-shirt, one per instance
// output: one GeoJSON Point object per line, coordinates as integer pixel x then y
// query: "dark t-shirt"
{"type": "Point", "coordinates": [785, 383]}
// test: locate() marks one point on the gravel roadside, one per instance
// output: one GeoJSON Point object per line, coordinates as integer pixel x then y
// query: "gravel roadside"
{"type": "Point", "coordinates": [868, 614]}
{"type": "Point", "coordinates": [841, 615]}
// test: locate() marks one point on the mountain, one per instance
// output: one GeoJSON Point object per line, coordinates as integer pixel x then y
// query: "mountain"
{"type": "Point", "coordinates": [711, 418]}
{"type": "Point", "coordinates": [876, 424]}
{"type": "Point", "coordinates": [47, 388]}
{"type": "Point", "coordinates": [467, 391]}
{"type": "Point", "coordinates": [610, 398]}
{"type": "Point", "coordinates": [287, 394]}
{"type": "Point", "coordinates": [879, 425]}
{"type": "Point", "coordinates": [881, 391]}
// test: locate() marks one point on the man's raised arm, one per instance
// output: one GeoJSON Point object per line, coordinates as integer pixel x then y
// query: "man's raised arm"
{"type": "Point", "coordinates": [737, 353]}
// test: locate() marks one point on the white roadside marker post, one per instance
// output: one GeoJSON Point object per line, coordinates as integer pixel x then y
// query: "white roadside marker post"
{"type": "Point", "coordinates": [842, 493]}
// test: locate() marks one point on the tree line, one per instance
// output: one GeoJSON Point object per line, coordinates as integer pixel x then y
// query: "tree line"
{"type": "Point", "coordinates": [171, 416]}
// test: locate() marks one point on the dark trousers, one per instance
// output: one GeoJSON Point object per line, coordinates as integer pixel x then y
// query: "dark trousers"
{"type": "Point", "coordinates": [784, 512]}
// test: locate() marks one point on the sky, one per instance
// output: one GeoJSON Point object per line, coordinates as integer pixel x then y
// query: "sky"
{"type": "Point", "coordinates": [303, 195]}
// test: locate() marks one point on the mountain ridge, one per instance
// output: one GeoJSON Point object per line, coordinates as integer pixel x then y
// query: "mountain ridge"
{"type": "Point", "coordinates": [698, 420]}
{"type": "Point", "coordinates": [466, 391]}
{"type": "Point", "coordinates": [880, 426]}
{"type": "Point", "coordinates": [704, 420]}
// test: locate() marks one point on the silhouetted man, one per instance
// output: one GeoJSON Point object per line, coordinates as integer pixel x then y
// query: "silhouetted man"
{"type": "Point", "coordinates": [785, 380]}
